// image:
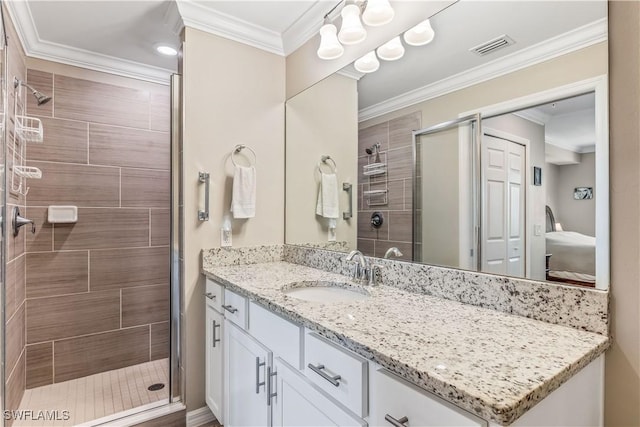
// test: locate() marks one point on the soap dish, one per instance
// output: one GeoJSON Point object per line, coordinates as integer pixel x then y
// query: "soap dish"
{"type": "Point", "coordinates": [62, 214]}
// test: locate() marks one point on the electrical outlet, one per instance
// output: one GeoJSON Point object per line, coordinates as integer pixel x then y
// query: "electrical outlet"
{"type": "Point", "coordinates": [225, 238]}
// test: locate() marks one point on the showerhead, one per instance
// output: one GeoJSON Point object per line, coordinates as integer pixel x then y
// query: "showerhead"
{"type": "Point", "coordinates": [41, 98]}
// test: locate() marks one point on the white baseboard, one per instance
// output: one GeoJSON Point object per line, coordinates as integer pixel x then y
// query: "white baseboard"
{"type": "Point", "coordinates": [200, 416]}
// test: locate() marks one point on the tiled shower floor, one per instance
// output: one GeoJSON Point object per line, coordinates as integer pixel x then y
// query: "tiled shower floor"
{"type": "Point", "coordinates": [100, 395]}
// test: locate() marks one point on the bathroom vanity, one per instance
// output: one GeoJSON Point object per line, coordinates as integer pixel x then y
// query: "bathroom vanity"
{"type": "Point", "coordinates": [280, 353]}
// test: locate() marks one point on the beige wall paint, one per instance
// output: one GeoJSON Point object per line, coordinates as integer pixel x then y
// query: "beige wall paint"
{"type": "Point", "coordinates": [232, 94]}
{"type": "Point", "coordinates": [576, 215]}
{"type": "Point", "coordinates": [622, 370]}
{"type": "Point", "coordinates": [317, 125]}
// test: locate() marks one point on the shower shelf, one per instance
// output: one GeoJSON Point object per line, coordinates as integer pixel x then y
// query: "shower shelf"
{"type": "Point", "coordinates": [374, 169]}
{"type": "Point", "coordinates": [375, 192]}
{"type": "Point", "coordinates": [28, 172]}
{"type": "Point", "coordinates": [29, 129]}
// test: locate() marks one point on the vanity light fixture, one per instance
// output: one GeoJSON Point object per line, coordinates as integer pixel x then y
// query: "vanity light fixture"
{"type": "Point", "coordinates": [419, 35]}
{"type": "Point", "coordinates": [391, 50]}
{"type": "Point", "coordinates": [166, 50]}
{"type": "Point", "coordinates": [330, 47]}
{"type": "Point", "coordinates": [377, 13]}
{"type": "Point", "coordinates": [368, 63]}
{"type": "Point", "coordinates": [351, 31]}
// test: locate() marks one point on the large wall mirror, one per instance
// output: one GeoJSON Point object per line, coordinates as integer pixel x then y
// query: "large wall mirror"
{"type": "Point", "coordinates": [485, 149]}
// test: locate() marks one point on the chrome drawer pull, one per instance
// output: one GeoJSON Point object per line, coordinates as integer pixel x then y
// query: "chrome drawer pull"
{"type": "Point", "coordinates": [258, 383]}
{"type": "Point", "coordinates": [230, 308]}
{"type": "Point", "coordinates": [210, 295]}
{"type": "Point", "coordinates": [270, 380]}
{"type": "Point", "coordinates": [396, 423]}
{"type": "Point", "coordinates": [319, 370]}
{"type": "Point", "coordinates": [215, 340]}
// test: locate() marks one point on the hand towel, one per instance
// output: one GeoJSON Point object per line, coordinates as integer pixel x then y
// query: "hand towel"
{"type": "Point", "coordinates": [243, 196]}
{"type": "Point", "coordinates": [327, 206]}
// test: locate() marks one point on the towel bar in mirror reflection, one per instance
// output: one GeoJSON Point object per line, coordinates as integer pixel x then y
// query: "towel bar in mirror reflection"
{"type": "Point", "coordinates": [461, 195]}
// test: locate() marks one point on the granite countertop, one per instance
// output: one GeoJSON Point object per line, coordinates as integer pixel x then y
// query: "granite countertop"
{"type": "Point", "coordinates": [493, 364]}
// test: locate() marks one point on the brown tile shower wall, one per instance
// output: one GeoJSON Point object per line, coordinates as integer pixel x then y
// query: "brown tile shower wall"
{"type": "Point", "coordinates": [97, 292]}
{"type": "Point", "coordinates": [395, 139]}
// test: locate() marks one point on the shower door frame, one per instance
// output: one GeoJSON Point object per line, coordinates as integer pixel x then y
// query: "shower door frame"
{"type": "Point", "coordinates": [475, 120]}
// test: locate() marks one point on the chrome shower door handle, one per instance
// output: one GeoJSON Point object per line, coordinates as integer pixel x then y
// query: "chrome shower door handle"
{"type": "Point", "coordinates": [203, 215]}
{"type": "Point", "coordinates": [349, 189]}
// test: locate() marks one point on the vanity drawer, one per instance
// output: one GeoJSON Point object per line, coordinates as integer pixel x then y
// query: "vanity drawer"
{"type": "Point", "coordinates": [235, 308]}
{"type": "Point", "coordinates": [392, 398]}
{"type": "Point", "coordinates": [214, 295]}
{"type": "Point", "coordinates": [325, 361]}
{"type": "Point", "coordinates": [279, 335]}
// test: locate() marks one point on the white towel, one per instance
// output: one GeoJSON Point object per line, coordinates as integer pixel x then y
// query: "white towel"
{"type": "Point", "coordinates": [243, 196]}
{"type": "Point", "coordinates": [327, 206]}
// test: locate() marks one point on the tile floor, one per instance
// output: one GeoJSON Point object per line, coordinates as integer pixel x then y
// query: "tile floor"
{"type": "Point", "coordinates": [100, 395]}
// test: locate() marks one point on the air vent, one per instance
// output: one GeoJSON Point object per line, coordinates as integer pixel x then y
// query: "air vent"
{"type": "Point", "coordinates": [492, 45]}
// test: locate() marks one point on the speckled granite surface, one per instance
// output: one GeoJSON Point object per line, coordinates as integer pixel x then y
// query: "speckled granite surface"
{"type": "Point", "coordinates": [581, 308]}
{"type": "Point", "coordinates": [493, 364]}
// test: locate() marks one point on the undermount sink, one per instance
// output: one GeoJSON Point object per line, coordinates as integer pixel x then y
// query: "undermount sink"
{"type": "Point", "coordinates": [325, 291]}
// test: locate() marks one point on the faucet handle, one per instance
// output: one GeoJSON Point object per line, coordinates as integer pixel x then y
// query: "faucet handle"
{"type": "Point", "coordinates": [373, 272]}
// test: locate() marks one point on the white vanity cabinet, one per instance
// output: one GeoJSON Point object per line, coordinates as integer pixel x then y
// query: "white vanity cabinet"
{"type": "Point", "coordinates": [248, 364]}
{"type": "Point", "coordinates": [214, 362]}
{"type": "Point", "coordinates": [214, 349]}
{"type": "Point", "coordinates": [395, 402]}
{"type": "Point", "coordinates": [299, 403]}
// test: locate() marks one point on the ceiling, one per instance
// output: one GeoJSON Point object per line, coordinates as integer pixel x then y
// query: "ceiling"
{"type": "Point", "coordinates": [120, 36]}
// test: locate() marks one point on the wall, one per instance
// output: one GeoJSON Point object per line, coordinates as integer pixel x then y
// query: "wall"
{"type": "Point", "coordinates": [15, 299]}
{"type": "Point", "coordinates": [534, 133]}
{"type": "Point", "coordinates": [575, 215]}
{"type": "Point", "coordinates": [317, 125]}
{"type": "Point", "coordinates": [622, 369]}
{"type": "Point", "coordinates": [232, 94]}
{"type": "Point", "coordinates": [98, 290]}
{"type": "Point", "coordinates": [396, 142]}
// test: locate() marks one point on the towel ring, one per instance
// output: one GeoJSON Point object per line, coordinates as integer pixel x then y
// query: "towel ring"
{"type": "Point", "coordinates": [325, 160]}
{"type": "Point", "coordinates": [237, 149]}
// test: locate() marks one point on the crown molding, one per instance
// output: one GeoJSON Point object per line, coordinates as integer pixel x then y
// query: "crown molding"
{"type": "Point", "coordinates": [172, 18]}
{"type": "Point", "coordinates": [570, 41]}
{"type": "Point", "coordinates": [35, 47]}
{"type": "Point", "coordinates": [534, 115]}
{"type": "Point", "coordinates": [202, 18]}
{"type": "Point", "coordinates": [305, 27]}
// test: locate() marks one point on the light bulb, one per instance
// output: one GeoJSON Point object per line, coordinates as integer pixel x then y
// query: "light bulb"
{"type": "Point", "coordinates": [420, 35]}
{"type": "Point", "coordinates": [368, 63]}
{"type": "Point", "coordinates": [378, 12]}
{"type": "Point", "coordinates": [330, 47]}
{"type": "Point", "coordinates": [351, 31]}
{"type": "Point", "coordinates": [391, 50]}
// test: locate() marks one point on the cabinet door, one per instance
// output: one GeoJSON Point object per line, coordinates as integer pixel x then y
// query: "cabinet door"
{"type": "Point", "coordinates": [246, 362]}
{"type": "Point", "coordinates": [214, 362]}
{"type": "Point", "coordinates": [396, 402]}
{"type": "Point", "coordinates": [298, 403]}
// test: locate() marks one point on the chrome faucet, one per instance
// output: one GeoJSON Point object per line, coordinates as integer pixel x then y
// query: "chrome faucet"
{"type": "Point", "coordinates": [363, 272]}
{"type": "Point", "coordinates": [392, 251]}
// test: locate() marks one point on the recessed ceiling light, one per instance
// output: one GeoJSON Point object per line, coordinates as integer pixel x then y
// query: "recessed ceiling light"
{"type": "Point", "coordinates": [166, 50]}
